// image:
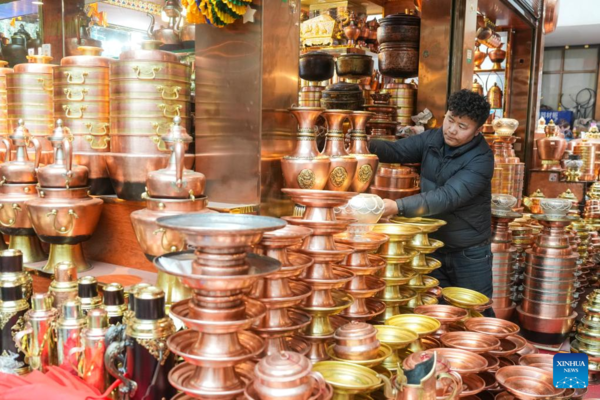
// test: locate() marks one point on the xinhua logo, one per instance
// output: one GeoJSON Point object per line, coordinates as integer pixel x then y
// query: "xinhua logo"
{"type": "Point", "coordinates": [570, 370]}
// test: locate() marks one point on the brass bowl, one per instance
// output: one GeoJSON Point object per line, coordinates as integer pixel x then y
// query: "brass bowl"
{"type": "Point", "coordinates": [474, 342]}
{"type": "Point", "coordinates": [384, 352]}
{"type": "Point", "coordinates": [542, 361]}
{"type": "Point", "coordinates": [527, 382]}
{"type": "Point", "coordinates": [395, 337]}
{"type": "Point", "coordinates": [347, 378]}
{"type": "Point", "coordinates": [509, 345]}
{"type": "Point", "coordinates": [427, 225]}
{"type": "Point", "coordinates": [443, 313]}
{"type": "Point", "coordinates": [492, 326]}
{"type": "Point", "coordinates": [397, 232]}
{"type": "Point", "coordinates": [464, 298]}
{"type": "Point", "coordinates": [420, 324]}
{"type": "Point", "coordinates": [462, 361]}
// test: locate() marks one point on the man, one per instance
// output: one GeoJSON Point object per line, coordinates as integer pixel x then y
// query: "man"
{"type": "Point", "coordinates": [457, 166]}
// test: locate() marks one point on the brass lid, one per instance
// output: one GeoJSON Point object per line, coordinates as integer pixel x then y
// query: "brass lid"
{"type": "Point", "coordinates": [89, 56]}
{"type": "Point", "coordinates": [97, 319]}
{"type": "Point", "coordinates": [65, 272]}
{"type": "Point", "coordinates": [36, 64]}
{"type": "Point", "coordinates": [20, 132]}
{"type": "Point", "coordinates": [87, 287]}
{"type": "Point", "coordinates": [71, 310]}
{"type": "Point", "coordinates": [149, 303]}
{"type": "Point", "coordinates": [11, 261]}
{"type": "Point", "coordinates": [41, 301]}
{"type": "Point", "coordinates": [551, 129]}
{"type": "Point", "coordinates": [537, 194]}
{"type": "Point", "coordinates": [149, 52]}
{"type": "Point", "coordinates": [356, 331]}
{"type": "Point", "coordinates": [285, 366]}
{"type": "Point", "coordinates": [114, 294]}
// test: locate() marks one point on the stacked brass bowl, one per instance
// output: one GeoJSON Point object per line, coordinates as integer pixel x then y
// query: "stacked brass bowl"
{"type": "Point", "coordinates": [513, 170]}
{"type": "Point", "coordinates": [587, 339]}
{"type": "Point", "coordinates": [4, 129]}
{"type": "Point", "coordinates": [148, 88]}
{"type": "Point", "coordinates": [30, 97]}
{"type": "Point", "coordinates": [81, 100]}
{"type": "Point", "coordinates": [404, 97]}
{"type": "Point", "coordinates": [522, 239]}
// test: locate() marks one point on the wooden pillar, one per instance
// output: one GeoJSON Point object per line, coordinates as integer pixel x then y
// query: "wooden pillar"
{"type": "Point", "coordinates": [52, 24]}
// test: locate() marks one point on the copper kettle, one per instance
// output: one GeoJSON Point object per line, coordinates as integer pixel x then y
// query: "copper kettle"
{"type": "Point", "coordinates": [494, 96]}
{"type": "Point", "coordinates": [19, 169]}
{"type": "Point", "coordinates": [169, 36]}
{"type": "Point", "coordinates": [477, 88]}
{"type": "Point", "coordinates": [82, 26]}
{"type": "Point", "coordinates": [15, 52]}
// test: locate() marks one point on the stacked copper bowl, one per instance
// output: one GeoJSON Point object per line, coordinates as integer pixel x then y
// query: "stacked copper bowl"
{"type": "Point", "coordinates": [583, 233]}
{"type": "Point", "coordinates": [325, 275]}
{"type": "Point", "coordinates": [587, 339]}
{"type": "Point", "coordinates": [591, 211]}
{"type": "Point", "coordinates": [281, 291]}
{"type": "Point", "coordinates": [587, 152]}
{"type": "Point", "coordinates": [394, 181]}
{"type": "Point", "coordinates": [81, 99]}
{"type": "Point", "coordinates": [503, 255]}
{"type": "Point", "coordinates": [173, 190]}
{"type": "Point", "coordinates": [404, 97]}
{"type": "Point", "coordinates": [219, 270]}
{"type": "Point", "coordinates": [513, 170]}
{"type": "Point", "coordinates": [315, 67]}
{"type": "Point", "coordinates": [148, 88]}
{"type": "Point", "coordinates": [383, 125]}
{"type": "Point", "coordinates": [522, 239]}
{"type": "Point", "coordinates": [30, 94]}
{"type": "Point", "coordinates": [4, 126]}
{"type": "Point", "coordinates": [64, 215]}
{"type": "Point", "coordinates": [546, 313]}
{"type": "Point", "coordinates": [19, 185]}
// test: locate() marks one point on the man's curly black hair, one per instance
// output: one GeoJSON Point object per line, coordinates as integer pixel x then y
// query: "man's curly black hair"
{"type": "Point", "coordinates": [470, 104]}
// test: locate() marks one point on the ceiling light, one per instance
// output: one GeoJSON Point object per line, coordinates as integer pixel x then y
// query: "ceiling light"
{"type": "Point", "coordinates": [587, 46]}
{"type": "Point", "coordinates": [37, 3]}
{"type": "Point", "coordinates": [567, 47]}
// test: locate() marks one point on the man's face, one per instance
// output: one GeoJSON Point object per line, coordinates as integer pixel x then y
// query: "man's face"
{"type": "Point", "coordinates": [459, 130]}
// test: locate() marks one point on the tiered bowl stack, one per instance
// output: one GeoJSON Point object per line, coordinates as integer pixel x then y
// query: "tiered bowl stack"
{"type": "Point", "coordinates": [30, 95]}
{"type": "Point", "coordinates": [148, 88]}
{"type": "Point", "coordinates": [395, 274]}
{"type": "Point", "coordinates": [19, 185]}
{"type": "Point", "coordinates": [64, 215]}
{"type": "Point", "coordinates": [367, 162]}
{"type": "Point", "coordinates": [587, 152]}
{"type": "Point", "coordinates": [4, 126]}
{"type": "Point", "coordinates": [522, 240]}
{"type": "Point", "coordinates": [591, 211]}
{"type": "Point", "coordinates": [426, 286]}
{"type": "Point", "coordinates": [404, 97]}
{"type": "Point", "coordinates": [314, 67]}
{"type": "Point", "coordinates": [366, 209]}
{"type": "Point", "coordinates": [394, 181]}
{"type": "Point", "coordinates": [503, 251]}
{"type": "Point", "coordinates": [281, 291]}
{"type": "Point", "coordinates": [81, 99]}
{"type": "Point", "coordinates": [383, 125]}
{"type": "Point", "coordinates": [219, 271]}
{"type": "Point", "coordinates": [343, 166]}
{"type": "Point", "coordinates": [587, 339]}
{"type": "Point", "coordinates": [325, 276]}
{"type": "Point", "coordinates": [171, 191]}
{"type": "Point", "coordinates": [398, 339]}
{"type": "Point", "coordinates": [583, 232]}
{"type": "Point", "coordinates": [546, 313]}
{"type": "Point", "coordinates": [513, 170]}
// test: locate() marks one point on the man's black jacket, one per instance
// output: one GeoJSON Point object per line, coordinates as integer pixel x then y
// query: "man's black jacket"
{"type": "Point", "coordinates": [455, 188]}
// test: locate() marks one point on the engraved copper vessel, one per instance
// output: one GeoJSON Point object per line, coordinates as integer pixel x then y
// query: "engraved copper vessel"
{"type": "Point", "coordinates": [342, 166]}
{"type": "Point", "coordinates": [367, 162]}
{"type": "Point", "coordinates": [551, 148]}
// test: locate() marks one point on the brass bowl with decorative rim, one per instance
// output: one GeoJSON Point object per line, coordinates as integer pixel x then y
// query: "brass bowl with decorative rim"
{"type": "Point", "coordinates": [397, 339]}
{"type": "Point", "coordinates": [509, 345]}
{"type": "Point", "coordinates": [464, 298]}
{"type": "Point", "coordinates": [462, 361]}
{"type": "Point", "coordinates": [427, 225]}
{"type": "Point", "coordinates": [348, 379]}
{"type": "Point", "coordinates": [422, 325]}
{"type": "Point", "coordinates": [543, 361]}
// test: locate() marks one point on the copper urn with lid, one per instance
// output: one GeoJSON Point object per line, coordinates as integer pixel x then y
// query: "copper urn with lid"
{"type": "Point", "coordinates": [551, 148]}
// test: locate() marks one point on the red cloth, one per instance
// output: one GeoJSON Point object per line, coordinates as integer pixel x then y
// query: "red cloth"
{"type": "Point", "coordinates": [56, 384]}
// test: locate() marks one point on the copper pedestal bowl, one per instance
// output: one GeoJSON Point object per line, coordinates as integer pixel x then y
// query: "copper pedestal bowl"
{"type": "Point", "coordinates": [219, 272]}
{"type": "Point", "coordinates": [467, 299]}
{"type": "Point", "coordinates": [461, 361]}
{"type": "Point", "coordinates": [509, 345]}
{"type": "Point", "coordinates": [397, 339]}
{"type": "Point", "coordinates": [527, 383]}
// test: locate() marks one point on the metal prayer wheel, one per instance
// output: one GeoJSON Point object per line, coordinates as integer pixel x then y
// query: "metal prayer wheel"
{"type": "Point", "coordinates": [587, 152]}
{"type": "Point", "coordinates": [30, 97]}
{"type": "Point", "coordinates": [81, 100]}
{"type": "Point", "coordinates": [141, 350]}
{"type": "Point", "coordinates": [12, 312]}
{"type": "Point", "coordinates": [149, 88]}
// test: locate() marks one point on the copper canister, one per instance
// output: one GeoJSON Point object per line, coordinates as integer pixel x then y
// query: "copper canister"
{"type": "Point", "coordinates": [81, 99]}
{"type": "Point", "coordinates": [30, 97]}
{"type": "Point", "coordinates": [68, 332]}
{"type": "Point", "coordinates": [149, 87]}
{"type": "Point", "coordinates": [148, 360]}
{"type": "Point", "coordinates": [12, 312]}
{"type": "Point", "coordinates": [585, 150]}
{"type": "Point", "coordinates": [4, 128]}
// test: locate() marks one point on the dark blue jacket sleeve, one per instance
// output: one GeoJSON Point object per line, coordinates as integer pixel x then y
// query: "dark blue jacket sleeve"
{"type": "Point", "coordinates": [409, 150]}
{"type": "Point", "coordinates": [459, 190]}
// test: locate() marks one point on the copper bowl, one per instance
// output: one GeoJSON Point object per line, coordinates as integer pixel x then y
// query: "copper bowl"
{"type": "Point", "coordinates": [462, 361]}
{"type": "Point", "coordinates": [474, 342]}
{"type": "Point", "coordinates": [493, 362]}
{"type": "Point", "coordinates": [545, 309]}
{"type": "Point", "coordinates": [543, 361]}
{"type": "Point", "coordinates": [492, 326]}
{"type": "Point", "coordinates": [509, 345]}
{"type": "Point", "coordinates": [527, 383]}
{"type": "Point", "coordinates": [472, 385]}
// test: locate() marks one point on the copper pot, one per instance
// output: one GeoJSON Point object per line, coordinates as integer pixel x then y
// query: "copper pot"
{"type": "Point", "coordinates": [497, 56]}
{"type": "Point", "coordinates": [356, 341]}
{"type": "Point", "coordinates": [88, 126]}
{"type": "Point", "coordinates": [30, 81]}
{"type": "Point", "coordinates": [547, 309]}
{"type": "Point", "coordinates": [98, 179]}
{"type": "Point", "coordinates": [479, 57]}
{"type": "Point", "coordinates": [159, 90]}
{"type": "Point", "coordinates": [138, 144]}
{"type": "Point", "coordinates": [399, 60]}
{"type": "Point", "coordinates": [354, 66]}
{"type": "Point", "coordinates": [38, 98]}
{"type": "Point", "coordinates": [316, 66]}
{"type": "Point", "coordinates": [396, 28]}
{"type": "Point", "coordinates": [553, 285]}
{"type": "Point", "coordinates": [14, 217]}
{"type": "Point", "coordinates": [551, 150]}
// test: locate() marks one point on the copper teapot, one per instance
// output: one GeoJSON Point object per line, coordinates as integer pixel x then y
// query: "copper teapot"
{"type": "Point", "coordinates": [17, 168]}
{"type": "Point", "coordinates": [169, 36]}
{"type": "Point", "coordinates": [175, 181]}
{"type": "Point", "coordinates": [62, 173]}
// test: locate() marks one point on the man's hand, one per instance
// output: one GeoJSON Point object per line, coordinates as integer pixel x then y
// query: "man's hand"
{"type": "Point", "coordinates": [390, 208]}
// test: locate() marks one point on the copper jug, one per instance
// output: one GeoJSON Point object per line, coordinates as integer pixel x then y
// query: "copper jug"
{"type": "Point", "coordinates": [19, 169]}
{"type": "Point", "coordinates": [551, 148]}
{"type": "Point", "coordinates": [494, 96]}
{"type": "Point", "coordinates": [477, 88]}
{"type": "Point", "coordinates": [480, 56]}
{"type": "Point", "coordinates": [352, 30]}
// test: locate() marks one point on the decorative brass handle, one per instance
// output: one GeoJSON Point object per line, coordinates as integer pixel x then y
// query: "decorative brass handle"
{"type": "Point", "coordinates": [63, 229]}
{"type": "Point", "coordinates": [158, 126]}
{"type": "Point", "coordinates": [22, 341]}
{"type": "Point", "coordinates": [45, 86]}
{"type": "Point", "coordinates": [160, 144]}
{"type": "Point", "coordinates": [71, 77]}
{"type": "Point", "coordinates": [11, 221]}
{"type": "Point", "coordinates": [69, 114]}
{"type": "Point", "coordinates": [146, 73]}
{"type": "Point", "coordinates": [166, 246]}
{"type": "Point", "coordinates": [69, 92]}
{"type": "Point", "coordinates": [170, 111]}
{"type": "Point", "coordinates": [169, 92]}
{"type": "Point", "coordinates": [97, 140]}
{"type": "Point", "coordinates": [90, 128]}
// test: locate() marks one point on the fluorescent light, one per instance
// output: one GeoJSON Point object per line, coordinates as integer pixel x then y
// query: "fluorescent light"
{"type": "Point", "coordinates": [37, 3]}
